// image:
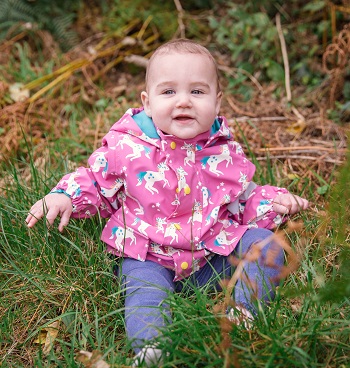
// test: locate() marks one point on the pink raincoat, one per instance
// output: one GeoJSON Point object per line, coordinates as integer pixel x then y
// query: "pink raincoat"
{"type": "Point", "coordinates": [173, 201]}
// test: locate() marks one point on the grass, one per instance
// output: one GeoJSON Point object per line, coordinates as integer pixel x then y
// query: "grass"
{"type": "Point", "coordinates": [62, 287]}
{"type": "Point", "coordinates": [48, 277]}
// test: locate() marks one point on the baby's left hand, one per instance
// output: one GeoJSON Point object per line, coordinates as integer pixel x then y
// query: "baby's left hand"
{"type": "Point", "coordinates": [289, 204]}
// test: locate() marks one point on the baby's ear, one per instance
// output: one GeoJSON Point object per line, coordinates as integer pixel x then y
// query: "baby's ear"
{"type": "Point", "coordinates": [218, 102]}
{"type": "Point", "coordinates": [146, 104]}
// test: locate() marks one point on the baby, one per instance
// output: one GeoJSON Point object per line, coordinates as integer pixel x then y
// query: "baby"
{"type": "Point", "coordinates": [179, 195]}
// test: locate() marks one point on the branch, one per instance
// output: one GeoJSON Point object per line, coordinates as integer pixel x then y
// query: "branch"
{"type": "Point", "coordinates": [180, 17]}
{"type": "Point", "coordinates": [285, 57]}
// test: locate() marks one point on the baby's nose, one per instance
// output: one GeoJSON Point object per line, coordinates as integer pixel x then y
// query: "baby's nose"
{"type": "Point", "coordinates": [183, 100]}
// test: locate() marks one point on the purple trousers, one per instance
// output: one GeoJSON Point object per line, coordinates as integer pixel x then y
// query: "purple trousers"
{"type": "Point", "coordinates": [147, 284]}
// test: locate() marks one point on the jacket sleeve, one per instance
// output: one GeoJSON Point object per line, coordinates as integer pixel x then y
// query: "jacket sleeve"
{"type": "Point", "coordinates": [93, 189]}
{"type": "Point", "coordinates": [254, 207]}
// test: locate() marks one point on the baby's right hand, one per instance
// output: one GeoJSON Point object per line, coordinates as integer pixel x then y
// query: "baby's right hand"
{"type": "Point", "coordinates": [52, 205]}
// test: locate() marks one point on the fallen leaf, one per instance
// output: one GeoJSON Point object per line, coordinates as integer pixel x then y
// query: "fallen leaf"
{"type": "Point", "coordinates": [293, 176]}
{"type": "Point", "coordinates": [92, 359]}
{"type": "Point", "coordinates": [296, 127]}
{"type": "Point", "coordinates": [17, 93]}
{"type": "Point", "coordinates": [47, 336]}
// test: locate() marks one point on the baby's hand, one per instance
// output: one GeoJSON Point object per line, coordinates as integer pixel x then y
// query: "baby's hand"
{"type": "Point", "coordinates": [289, 204]}
{"type": "Point", "coordinates": [52, 205]}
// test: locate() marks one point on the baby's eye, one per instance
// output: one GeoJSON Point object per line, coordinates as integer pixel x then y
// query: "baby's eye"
{"type": "Point", "coordinates": [168, 92]}
{"type": "Point", "coordinates": [196, 92]}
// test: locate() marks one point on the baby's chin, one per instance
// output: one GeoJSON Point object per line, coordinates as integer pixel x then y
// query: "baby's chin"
{"type": "Point", "coordinates": [184, 134]}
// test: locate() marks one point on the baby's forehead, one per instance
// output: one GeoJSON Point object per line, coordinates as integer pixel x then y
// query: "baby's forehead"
{"type": "Point", "coordinates": [171, 52]}
{"type": "Point", "coordinates": [164, 53]}
{"type": "Point", "coordinates": [156, 62]}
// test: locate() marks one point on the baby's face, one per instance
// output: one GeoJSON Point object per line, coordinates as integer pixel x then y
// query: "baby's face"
{"type": "Point", "coordinates": [182, 96]}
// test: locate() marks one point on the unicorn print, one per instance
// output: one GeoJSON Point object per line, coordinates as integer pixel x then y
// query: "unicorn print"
{"type": "Point", "coordinates": [221, 240]}
{"type": "Point", "coordinates": [190, 152]}
{"type": "Point", "coordinates": [142, 225]}
{"type": "Point", "coordinates": [171, 231]}
{"type": "Point", "coordinates": [72, 186]}
{"type": "Point", "coordinates": [151, 177]}
{"type": "Point", "coordinates": [213, 214]}
{"type": "Point", "coordinates": [238, 147]}
{"type": "Point", "coordinates": [226, 223]}
{"type": "Point", "coordinates": [243, 178]}
{"type": "Point", "coordinates": [206, 197]}
{"type": "Point", "coordinates": [264, 206]}
{"type": "Point", "coordinates": [165, 251]}
{"type": "Point", "coordinates": [100, 162]}
{"type": "Point", "coordinates": [180, 173]}
{"type": "Point", "coordinates": [110, 192]}
{"type": "Point", "coordinates": [225, 199]}
{"type": "Point", "coordinates": [138, 211]}
{"type": "Point", "coordinates": [176, 201]}
{"type": "Point", "coordinates": [121, 234]}
{"type": "Point", "coordinates": [214, 160]}
{"type": "Point", "coordinates": [137, 148]}
{"type": "Point", "coordinates": [159, 224]}
{"type": "Point", "coordinates": [197, 213]}
{"type": "Point", "coordinates": [146, 138]}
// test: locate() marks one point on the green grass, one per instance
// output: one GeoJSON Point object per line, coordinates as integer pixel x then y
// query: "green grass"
{"type": "Point", "coordinates": [46, 276]}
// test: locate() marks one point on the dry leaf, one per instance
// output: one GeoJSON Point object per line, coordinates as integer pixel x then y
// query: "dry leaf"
{"type": "Point", "coordinates": [91, 360]}
{"type": "Point", "coordinates": [17, 93]}
{"type": "Point", "coordinates": [47, 336]}
{"type": "Point", "coordinates": [296, 127]}
{"type": "Point", "coordinates": [293, 176]}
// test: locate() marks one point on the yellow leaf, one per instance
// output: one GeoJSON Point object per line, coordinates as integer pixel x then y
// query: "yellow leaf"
{"type": "Point", "coordinates": [52, 332]}
{"type": "Point", "coordinates": [91, 360]}
{"type": "Point", "coordinates": [41, 338]}
{"type": "Point", "coordinates": [297, 127]}
{"type": "Point", "coordinates": [47, 336]}
{"type": "Point", "coordinates": [293, 176]}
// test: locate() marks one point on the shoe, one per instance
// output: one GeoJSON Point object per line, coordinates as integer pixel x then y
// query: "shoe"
{"type": "Point", "coordinates": [149, 356]}
{"type": "Point", "coordinates": [240, 315]}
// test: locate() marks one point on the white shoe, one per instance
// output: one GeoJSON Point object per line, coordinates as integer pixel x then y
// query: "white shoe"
{"type": "Point", "coordinates": [240, 315]}
{"type": "Point", "coordinates": [148, 356]}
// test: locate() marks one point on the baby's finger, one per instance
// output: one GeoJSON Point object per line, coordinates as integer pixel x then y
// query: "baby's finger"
{"type": "Point", "coordinates": [31, 220]}
{"type": "Point", "coordinates": [280, 208]}
{"type": "Point", "coordinates": [64, 220]}
{"type": "Point", "coordinates": [35, 214]}
{"type": "Point", "coordinates": [52, 214]}
{"type": "Point", "coordinates": [298, 205]}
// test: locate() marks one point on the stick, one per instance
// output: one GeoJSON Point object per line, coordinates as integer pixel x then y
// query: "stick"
{"type": "Point", "coordinates": [285, 57]}
{"type": "Point", "coordinates": [180, 18]}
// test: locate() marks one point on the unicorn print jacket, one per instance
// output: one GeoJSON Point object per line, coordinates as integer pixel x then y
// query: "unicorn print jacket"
{"type": "Point", "coordinates": [172, 201]}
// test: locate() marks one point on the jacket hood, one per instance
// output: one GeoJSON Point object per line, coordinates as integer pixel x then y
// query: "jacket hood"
{"type": "Point", "coordinates": [136, 123]}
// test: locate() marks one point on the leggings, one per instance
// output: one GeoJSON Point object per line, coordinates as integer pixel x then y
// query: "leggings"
{"type": "Point", "coordinates": [148, 284]}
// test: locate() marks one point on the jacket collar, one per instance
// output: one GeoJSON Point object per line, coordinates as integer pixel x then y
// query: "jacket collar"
{"type": "Point", "coordinates": [135, 122]}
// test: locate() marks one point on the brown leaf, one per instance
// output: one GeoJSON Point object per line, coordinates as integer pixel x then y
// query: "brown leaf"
{"type": "Point", "coordinates": [92, 359]}
{"type": "Point", "coordinates": [47, 336]}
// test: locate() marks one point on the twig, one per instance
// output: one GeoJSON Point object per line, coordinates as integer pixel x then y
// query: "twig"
{"type": "Point", "coordinates": [285, 57]}
{"type": "Point", "coordinates": [244, 119]}
{"type": "Point", "coordinates": [237, 109]}
{"type": "Point", "coordinates": [180, 17]}
{"type": "Point", "coordinates": [302, 148]}
{"type": "Point", "coordinates": [231, 71]}
{"type": "Point", "coordinates": [286, 66]}
{"type": "Point", "coordinates": [329, 160]}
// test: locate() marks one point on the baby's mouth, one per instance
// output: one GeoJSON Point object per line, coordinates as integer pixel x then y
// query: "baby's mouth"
{"type": "Point", "coordinates": [183, 118]}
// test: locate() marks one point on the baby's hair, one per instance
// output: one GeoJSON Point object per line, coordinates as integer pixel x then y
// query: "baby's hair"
{"type": "Point", "coordinates": [183, 46]}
